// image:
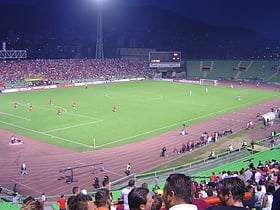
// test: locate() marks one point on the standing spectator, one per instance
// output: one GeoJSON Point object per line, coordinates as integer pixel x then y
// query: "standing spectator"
{"type": "Point", "coordinates": [276, 200]}
{"type": "Point", "coordinates": [76, 191]}
{"type": "Point", "coordinates": [140, 199]}
{"type": "Point", "coordinates": [125, 192]}
{"type": "Point", "coordinates": [43, 198]}
{"type": "Point", "coordinates": [259, 194]}
{"type": "Point", "coordinates": [231, 192]}
{"type": "Point", "coordinates": [23, 169]}
{"type": "Point", "coordinates": [62, 202]}
{"type": "Point", "coordinates": [107, 185]}
{"type": "Point", "coordinates": [177, 192]}
{"type": "Point", "coordinates": [268, 198]}
{"type": "Point", "coordinates": [102, 199]}
{"type": "Point", "coordinates": [128, 169]}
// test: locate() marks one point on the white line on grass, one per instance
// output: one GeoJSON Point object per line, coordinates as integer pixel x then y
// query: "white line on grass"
{"type": "Point", "coordinates": [171, 125]}
{"type": "Point", "coordinates": [45, 134]}
{"type": "Point", "coordinates": [16, 116]}
{"type": "Point", "coordinates": [72, 126]}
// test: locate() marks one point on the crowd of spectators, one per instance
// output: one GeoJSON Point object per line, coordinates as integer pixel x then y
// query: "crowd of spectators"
{"type": "Point", "coordinates": [260, 184]}
{"type": "Point", "coordinates": [13, 71]}
{"type": "Point", "coordinates": [204, 139]}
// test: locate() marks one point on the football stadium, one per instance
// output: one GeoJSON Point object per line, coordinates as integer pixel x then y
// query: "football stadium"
{"type": "Point", "coordinates": [97, 123]}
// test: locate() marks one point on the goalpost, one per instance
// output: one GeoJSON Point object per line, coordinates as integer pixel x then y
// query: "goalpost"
{"type": "Point", "coordinates": [208, 82]}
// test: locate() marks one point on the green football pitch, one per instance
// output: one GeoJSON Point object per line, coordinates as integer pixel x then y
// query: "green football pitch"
{"type": "Point", "coordinates": [144, 109]}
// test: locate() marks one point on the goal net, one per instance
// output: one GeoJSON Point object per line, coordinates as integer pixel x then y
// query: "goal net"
{"type": "Point", "coordinates": [208, 82]}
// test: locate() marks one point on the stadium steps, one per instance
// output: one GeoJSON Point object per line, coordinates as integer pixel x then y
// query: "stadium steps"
{"type": "Point", "coordinates": [249, 65]}
{"type": "Point", "coordinates": [237, 75]}
{"type": "Point", "coordinates": [272, 76]}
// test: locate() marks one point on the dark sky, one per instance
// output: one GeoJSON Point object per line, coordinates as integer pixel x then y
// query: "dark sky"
{"type": "Point", "coordinates": [260, 15]}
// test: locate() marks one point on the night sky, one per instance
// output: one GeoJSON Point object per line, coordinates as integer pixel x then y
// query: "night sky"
{"type": "Point", "coordinates": [259, 15]}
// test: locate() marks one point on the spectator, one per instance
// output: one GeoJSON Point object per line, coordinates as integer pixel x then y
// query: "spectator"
{"type": "Point", "coordinates": [102, 199]}
{"type": "Point", "coordinates": [82, 202]}
{"type": "Point", "coordinates": [140, 199]}
{"type": "Point", "coordinates": [125, 192]}
{"type": "Point", "coordinates": [268, 198]}
{"type": "Point", "coordinates": [76, 191]}
{"type": "Point", "coordinates": [62, 202]}
{"type": "Point", "coordinates": [177, 192]}
{"type": "Point", "coordinates": [276, 200]}
{"type": "Point", "coordinates": [231, 192]}
{"type": "Point", "coordinates": [32, 205]}
{"type": "Point", "coordinates": [157, 202]}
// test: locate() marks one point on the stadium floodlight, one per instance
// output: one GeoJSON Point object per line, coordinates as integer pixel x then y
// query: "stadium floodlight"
{"type": "Point", "coordinates": [99, 51]}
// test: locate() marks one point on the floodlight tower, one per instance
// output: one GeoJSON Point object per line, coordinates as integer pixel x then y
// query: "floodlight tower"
{"type": "Point", "coordinates": [99, 52]}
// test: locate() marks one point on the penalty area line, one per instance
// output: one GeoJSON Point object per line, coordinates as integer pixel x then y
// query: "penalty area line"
{"type": "Point", "coordinates": [45, 134]}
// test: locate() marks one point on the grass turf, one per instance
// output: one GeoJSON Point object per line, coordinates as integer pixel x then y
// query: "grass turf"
{"type": "Point", "coordinates": [144, 109]}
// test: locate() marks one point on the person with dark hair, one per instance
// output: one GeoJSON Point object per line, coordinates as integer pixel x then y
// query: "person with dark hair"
{"type": "Point", "coordinates": [61, 202]}
{"type": "Point", "coordinates": [163, 152]}
{"type": "Point", "coordinates": [268, 197]}
{"type": "Point", "coordinates": [140, 199]}
{"type": "Point", "coordinates": [125, 192]}
{"type": "Point", "coordinates": [177, 192]}
{"type": "Point", "coordinates": [76, 191]}
{"type": "Point", "coordinates": [128, 169]}
{"type": "Point", "coordinates": [102, 199]}
{"type": "Point", "coordinates": [276, 200]}
{"type": "Point", "coordinates": [231, 192]}
{"type": "Point", "coordinates": [96, 182]}
{"type": "Point", "coordinates": [32, 204]}
{"type": "Point", "coordinates": [157, 202]}
{"type": "Point", "coordinates": [81, 202]}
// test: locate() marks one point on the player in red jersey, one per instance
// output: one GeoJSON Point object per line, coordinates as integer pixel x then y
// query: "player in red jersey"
{"type": "Point", "coordinates": [30, 107]}
{"type": "Point", "coordinates": [114, 109]}
{"type": "Point", "coordinates": [58, 111]}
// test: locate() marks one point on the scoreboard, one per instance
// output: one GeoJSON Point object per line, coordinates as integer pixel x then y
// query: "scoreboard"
{"type": "Point", "coordinates": [164, 59]}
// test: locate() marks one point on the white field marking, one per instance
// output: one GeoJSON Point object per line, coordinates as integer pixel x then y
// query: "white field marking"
{"type": "Point", "coordinates": [171, 125]}
{"type": "Point", "coordinates": [19, 122]}
{"type": "Point", "coordinates": [73, 114]}
{"type": "Point", "coordinates": [45, 134]}
{"type": "Point", "coordinates": [65, 111]}
{"type": "Point", "coordinates": [16, 116]}
{"type": "Point", "coordinates": [136, 97]}
{"type": "Point", "coordinates": [72, 126]}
